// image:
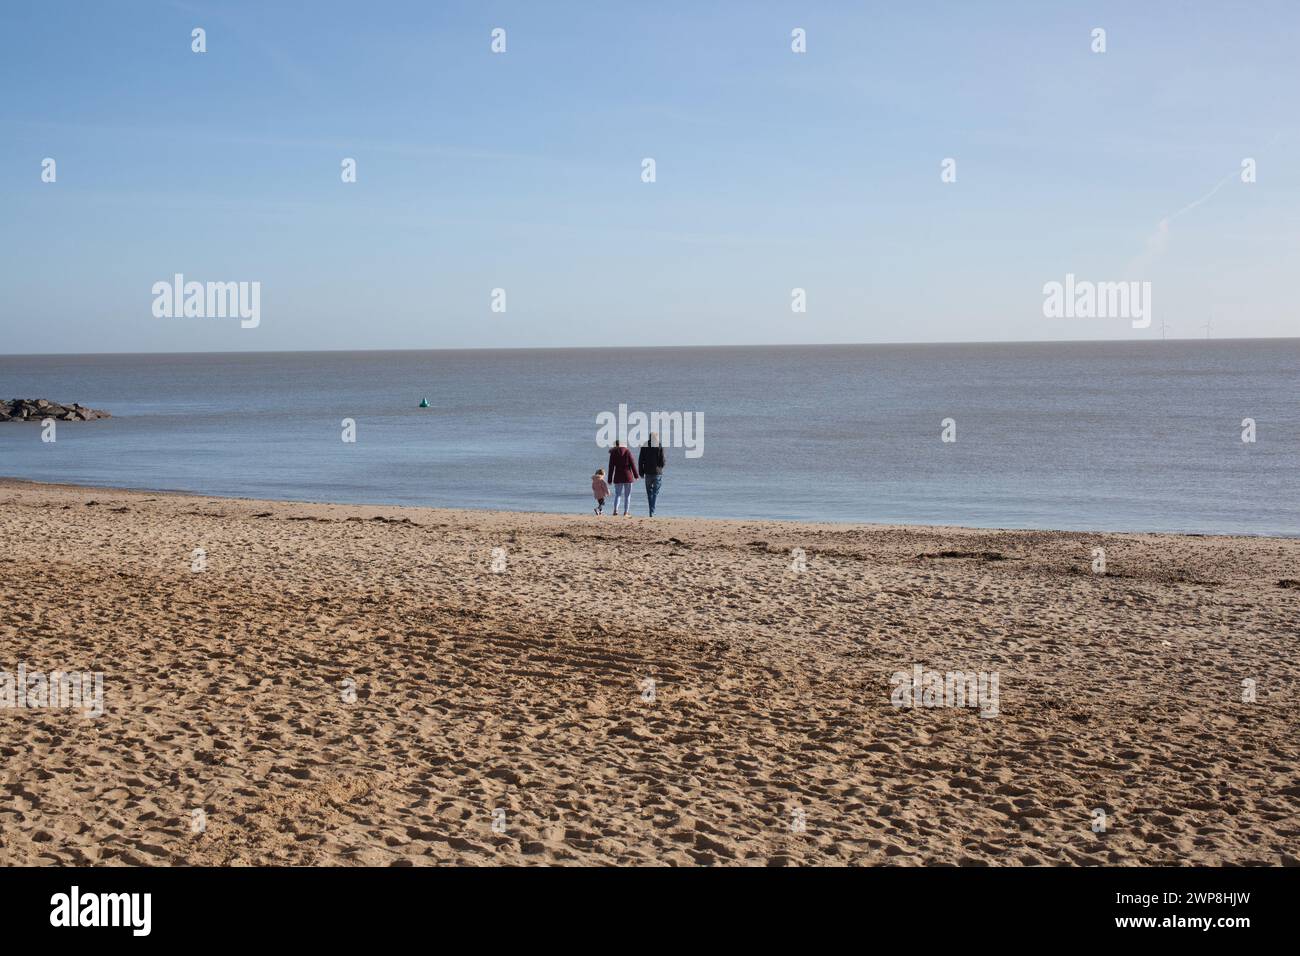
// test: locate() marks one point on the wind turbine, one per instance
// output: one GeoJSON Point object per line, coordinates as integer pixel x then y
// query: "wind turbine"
{"type": "Point", "coordinates": [1163, 326]}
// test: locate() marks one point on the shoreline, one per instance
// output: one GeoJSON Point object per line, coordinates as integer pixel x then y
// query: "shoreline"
{"type": "Point", "coordinates": [9, 481]}
{"type": "Point", "coordinates": [343, 684]}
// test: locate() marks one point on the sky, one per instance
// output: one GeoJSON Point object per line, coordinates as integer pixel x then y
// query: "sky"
{"type": "Point", "coordinates": [523, 171]}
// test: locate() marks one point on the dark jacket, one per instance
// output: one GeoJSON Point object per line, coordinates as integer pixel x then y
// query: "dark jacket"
{"type": "Point", "coordinates": [651, 460]}
{"type": "Point", "coordinates": [622, 469]}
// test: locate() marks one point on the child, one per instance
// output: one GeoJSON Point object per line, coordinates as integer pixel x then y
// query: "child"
{"type": "Point", "coordinates": [600, 489]}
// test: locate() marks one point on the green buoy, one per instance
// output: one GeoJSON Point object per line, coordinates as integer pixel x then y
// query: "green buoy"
{"type": "Point", "coordinates": [424, 403]}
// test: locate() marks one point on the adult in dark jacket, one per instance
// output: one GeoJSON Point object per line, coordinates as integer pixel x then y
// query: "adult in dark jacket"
{"type": "Point", "coordinates": [622, 472]}
{"type": "Point", "coordinates": [651, 464]}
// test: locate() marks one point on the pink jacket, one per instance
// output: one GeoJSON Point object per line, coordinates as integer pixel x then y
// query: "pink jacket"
{"type": "Point", "coordinates": [599, 488]}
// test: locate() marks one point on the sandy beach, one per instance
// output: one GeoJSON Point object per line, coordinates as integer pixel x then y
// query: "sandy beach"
{"type": "Point", "coordinates": [338, 684]}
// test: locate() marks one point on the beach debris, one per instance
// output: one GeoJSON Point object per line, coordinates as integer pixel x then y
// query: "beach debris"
{"type": "Point", "coordinates": [39, 409]}
{"type": "Point", "coordinates": [981, 555]}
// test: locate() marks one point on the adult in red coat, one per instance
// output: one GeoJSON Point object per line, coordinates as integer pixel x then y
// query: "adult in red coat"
{"type": "Point", "coordinates": [622, 472]}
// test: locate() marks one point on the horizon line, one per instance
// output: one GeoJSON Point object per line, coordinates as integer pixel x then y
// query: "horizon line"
{"type": "Point", "coordinates": [724, 345]}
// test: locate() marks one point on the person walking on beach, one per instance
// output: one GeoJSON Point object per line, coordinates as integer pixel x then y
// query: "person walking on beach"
{"type": "Point", "coordinates": [651, 464]}
{"type": "Point", "coordinates": [622, 472]}
{"type": "Point", "coordinates": [600, 489]}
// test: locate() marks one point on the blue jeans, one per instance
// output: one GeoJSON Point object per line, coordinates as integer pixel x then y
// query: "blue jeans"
{"type": "Point", "coordinates": [652, 483]}
{"type": "Point", "coordinates": [623, 489]}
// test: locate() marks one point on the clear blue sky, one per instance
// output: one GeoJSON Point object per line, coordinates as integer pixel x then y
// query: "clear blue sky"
{"type": "Point", "coordinates": [522, 170]}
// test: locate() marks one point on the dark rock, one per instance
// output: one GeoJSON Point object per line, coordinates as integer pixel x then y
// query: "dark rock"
{"type": "Point", "coordinates": [39, 409]}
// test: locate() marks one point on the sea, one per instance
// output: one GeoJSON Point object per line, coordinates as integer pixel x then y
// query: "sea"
{"type": "Point", "coordinates": [1114, 436]}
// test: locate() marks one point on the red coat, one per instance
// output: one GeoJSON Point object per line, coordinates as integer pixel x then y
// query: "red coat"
{"type": "Point", "coordinates": [622, 466]}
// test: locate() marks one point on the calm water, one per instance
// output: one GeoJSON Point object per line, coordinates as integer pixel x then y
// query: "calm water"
{"type": "Point", "coordinates": [1113, 436]}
